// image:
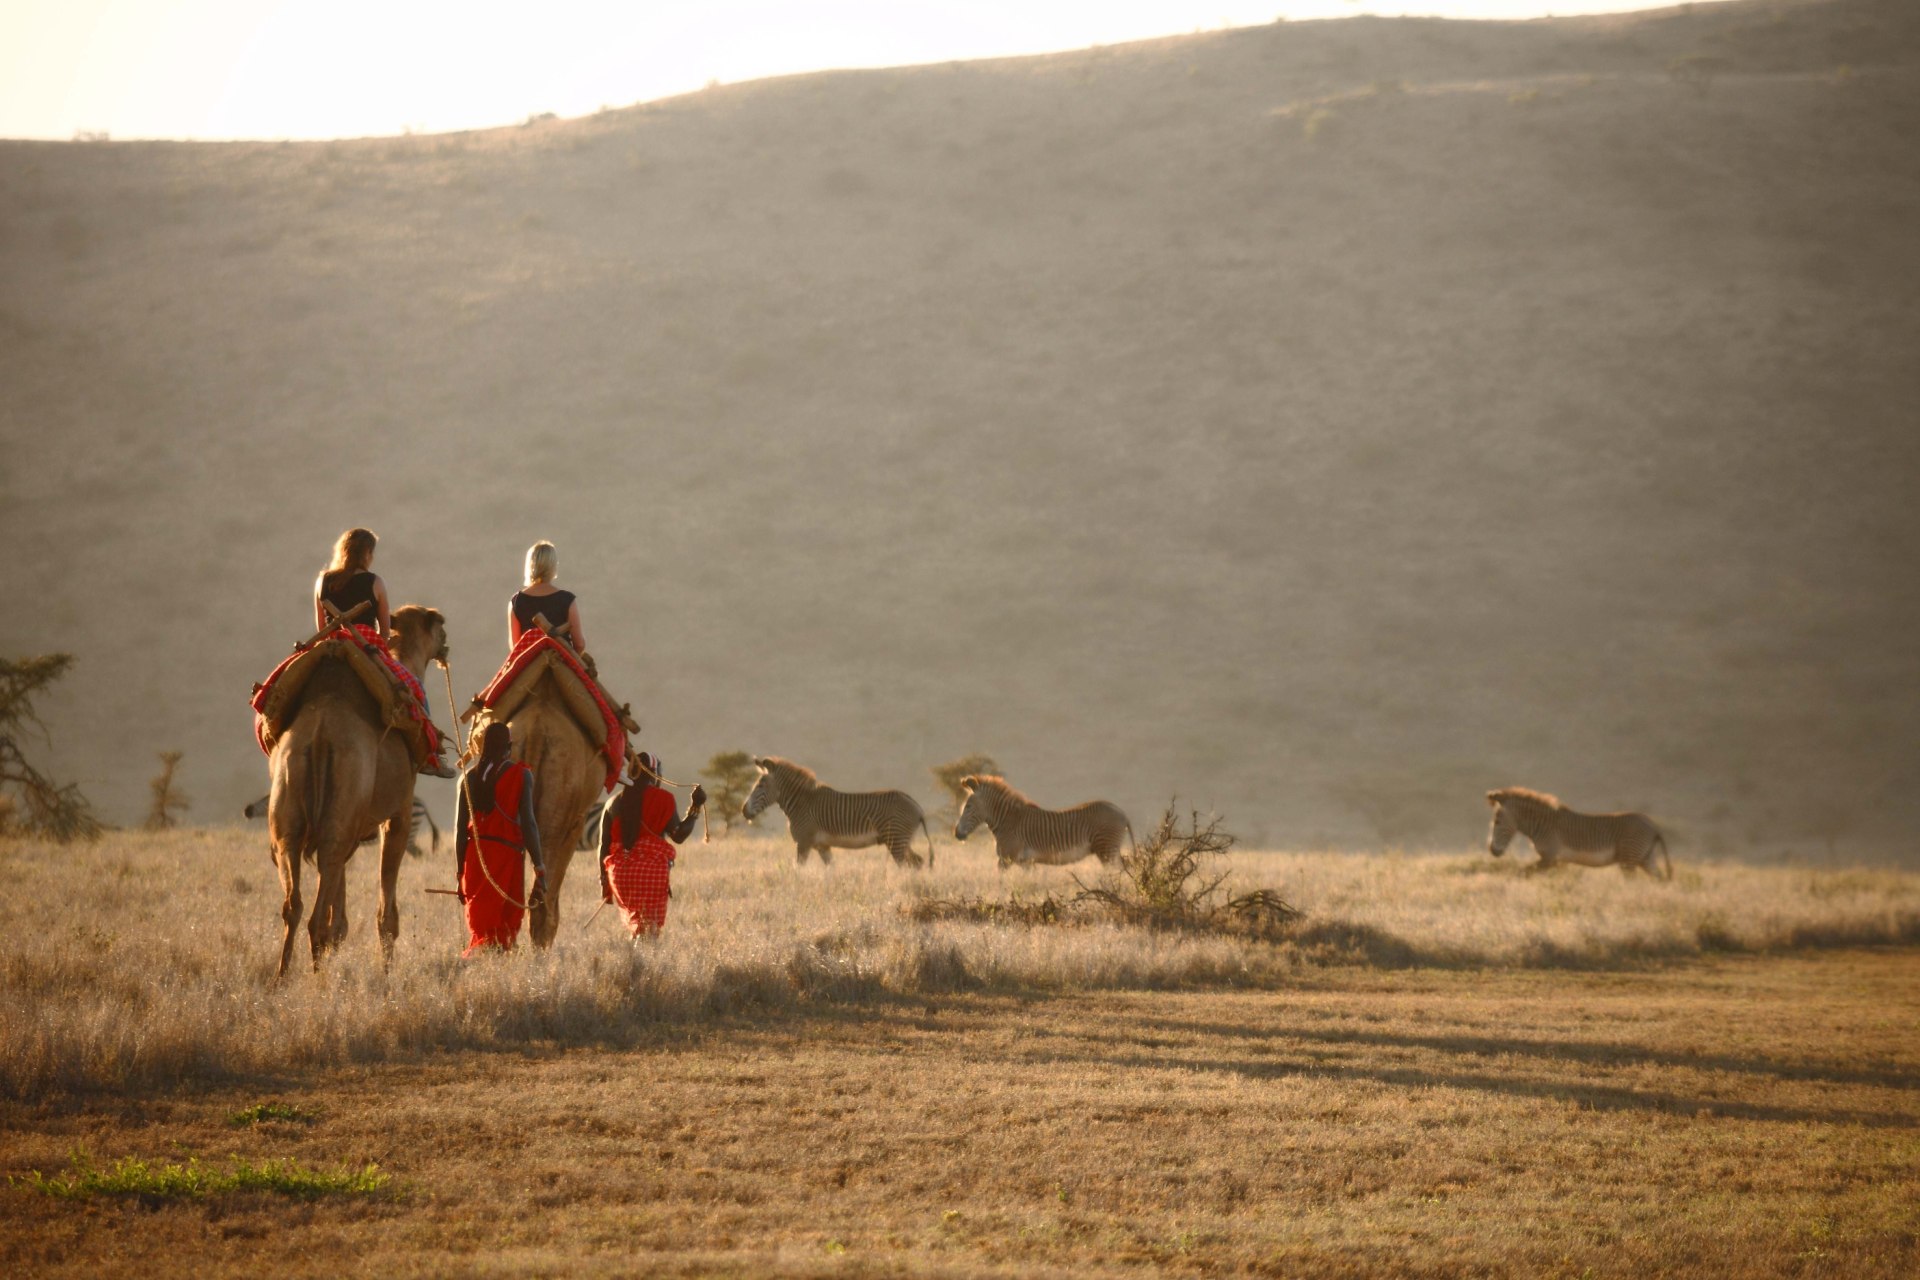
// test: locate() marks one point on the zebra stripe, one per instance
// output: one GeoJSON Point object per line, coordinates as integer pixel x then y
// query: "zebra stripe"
{"type": "Point", "coordinates": [1025, 833]}
{"type": "Point", "coordinates": [1560, 834]}
{"type": "Point", "coordinates": [821, 819]}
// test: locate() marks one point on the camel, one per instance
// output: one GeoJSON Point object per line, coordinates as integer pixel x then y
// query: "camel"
{"type": "Point", "coordinates": [338, 771]}
{"type": "Point", "coordinates": [569, 778]}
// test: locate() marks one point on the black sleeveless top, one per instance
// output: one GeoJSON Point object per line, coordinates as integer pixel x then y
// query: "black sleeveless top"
{"type": "Point", "coordinates": [553, 608]}
{"type": "Point", "coordinates": [346, 592]}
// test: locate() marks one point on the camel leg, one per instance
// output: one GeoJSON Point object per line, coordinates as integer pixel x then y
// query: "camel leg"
{"type": "Point", "coordinates": [327, 927]}
{"type": "Point", "coordinates": [318, 929]}
{"type": "Point", "coordinates": [288, 865]}
{"type": "Point", "coordinates": [393, 847]}
{"type": "Point", "coordinates": [543, 922]}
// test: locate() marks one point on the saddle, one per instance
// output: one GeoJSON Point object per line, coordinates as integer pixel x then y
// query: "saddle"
{"type": "Point", "coordinates": [536, 656]}
{"type": "Point", "coordinates": [276, 700]}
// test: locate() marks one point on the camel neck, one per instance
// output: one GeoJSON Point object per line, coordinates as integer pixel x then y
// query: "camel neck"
{"type": "Point", "coordinates": [411, 654]}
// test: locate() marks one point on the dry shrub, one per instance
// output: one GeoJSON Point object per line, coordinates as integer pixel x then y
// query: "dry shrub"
{"type": "Point", "coordinates": [978, 910]}
{"type": "Point", "coordinates": [1173, 880]}
{"type": "Point", "coordinates": [1170, 880]}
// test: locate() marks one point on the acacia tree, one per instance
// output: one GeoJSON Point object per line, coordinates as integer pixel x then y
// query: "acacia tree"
{"type": "Point", "coordinates": [730, 777]}
{"type": "Point", "coordinates": [167, 799]}
{"type": "Point", "coordinates": [948, 775]}
{"type": "Point", "coordinates": [36, 804]}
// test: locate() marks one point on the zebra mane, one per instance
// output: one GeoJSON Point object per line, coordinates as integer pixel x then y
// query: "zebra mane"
{"type": "Point", "coordinates": [1525, 796]}
{"type": "Point", "coordinates": [798, 772]}
{"type": "Point", "coordinates": [999, 785]}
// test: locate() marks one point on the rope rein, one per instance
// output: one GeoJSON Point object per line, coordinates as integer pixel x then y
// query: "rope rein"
{"type": "Point", "coordinates": [453, 711]}
{"type": "Point", "coordinates": [478, 839]}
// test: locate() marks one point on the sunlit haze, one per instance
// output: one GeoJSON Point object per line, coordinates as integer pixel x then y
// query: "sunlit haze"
{"type": "Point", "coordinates": [303, 69]}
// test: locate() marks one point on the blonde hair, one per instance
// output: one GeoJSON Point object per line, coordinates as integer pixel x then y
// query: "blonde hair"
{"type": "Point", "coordinates": [543, 563]}
{"type": "Point", "coordinates": [353, 552]}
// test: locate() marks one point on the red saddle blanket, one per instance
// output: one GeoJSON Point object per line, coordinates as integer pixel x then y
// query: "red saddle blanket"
{"type": "Point", "coordinates": [536, 651]}
{"type": "Point", "coordinates": [402, 701]}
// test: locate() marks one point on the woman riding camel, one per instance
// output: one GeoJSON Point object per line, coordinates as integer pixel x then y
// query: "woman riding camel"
{"type": "Point", "coordinates": [497, 833]}
{"type": "Point", "coordinates": [636, 861]}
{"type": "Point", "coordinates": [349, 582]}
{"type": "Point", "coordinates": [541, 599]}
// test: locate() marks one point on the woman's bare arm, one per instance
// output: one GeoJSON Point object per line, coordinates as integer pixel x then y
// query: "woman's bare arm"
{"type": "Point", "coordinates": [573, 622]}
{"type": "Point", "coordinates": [380, 607]}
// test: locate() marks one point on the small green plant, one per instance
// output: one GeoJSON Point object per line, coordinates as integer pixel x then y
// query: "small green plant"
{"type": "Point", "coordinates": [262, 1112]}
{"type": "Point", "coordinates": [132, 1176]}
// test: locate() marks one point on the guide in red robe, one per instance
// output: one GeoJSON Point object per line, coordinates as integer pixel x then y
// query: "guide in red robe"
{"type": "Point", "coordinates": [497, 834]}
{"type": "Point", "coordinates": [636, 860]}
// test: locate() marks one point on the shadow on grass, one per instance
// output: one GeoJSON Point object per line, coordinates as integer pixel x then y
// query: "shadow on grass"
{"type": "Point", "coordinates": [1586, 1052]}
{"type": "Point", "coordinates": [1586, 1096]}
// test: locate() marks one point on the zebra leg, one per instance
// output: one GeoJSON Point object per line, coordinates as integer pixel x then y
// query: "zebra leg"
{"type": "Point", "coordinates": [826, 854]}
{"type": "Point", "coordinates": [800, 852]}
{"type": "Point", "coordinates": [900, 845]}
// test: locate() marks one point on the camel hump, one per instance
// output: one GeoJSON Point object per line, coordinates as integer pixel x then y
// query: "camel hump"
{"type": "Point", "coordinates": [277, 699]}
{"type": "Point", "coordinates": [540, 668]}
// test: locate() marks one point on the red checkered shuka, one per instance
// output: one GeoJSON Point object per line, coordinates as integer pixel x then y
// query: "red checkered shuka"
{"type": "Point", "coordinates": [639, 865]}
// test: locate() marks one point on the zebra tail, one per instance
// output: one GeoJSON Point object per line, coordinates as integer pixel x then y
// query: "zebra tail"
{"type": "Point", "coordinates": [1666, 863]}
{"type": "Point", "coordinates": [929, 835]}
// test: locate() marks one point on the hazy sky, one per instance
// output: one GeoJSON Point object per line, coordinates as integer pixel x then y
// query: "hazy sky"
{"type": "Point", "coordinates": [342, 68]}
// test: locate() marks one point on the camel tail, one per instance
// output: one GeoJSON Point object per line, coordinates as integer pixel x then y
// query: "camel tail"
{"type": "Point", "coordinates": [319, 774]}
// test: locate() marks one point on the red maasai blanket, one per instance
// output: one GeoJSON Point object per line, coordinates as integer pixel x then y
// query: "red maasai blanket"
{"type": "Point", "coordinates": [369, 641]}
{"type": "Point", "coordinates": [534, 642]}
{"type": "Point", "coordinates": [639, 864]}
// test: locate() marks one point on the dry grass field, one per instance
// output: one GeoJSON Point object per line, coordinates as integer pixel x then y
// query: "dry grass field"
{"type": "Point", "coordinates": [1575, 1075]}
{"type": "Point", "coordinates": [146, 960]}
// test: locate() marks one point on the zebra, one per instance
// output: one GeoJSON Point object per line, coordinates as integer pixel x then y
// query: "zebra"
{"type": "Point", "coordinates": [421, 814]}
{"type": "Point", "coordinates": [821, 819]}
{"type": "Point", "coordinates": [1561, 835]}
{"type": "Point", "coordinates": [1025, 833]}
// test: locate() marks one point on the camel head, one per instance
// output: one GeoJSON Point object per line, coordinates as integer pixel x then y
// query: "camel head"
{"type": "Point", "coordinates": [419, 636]}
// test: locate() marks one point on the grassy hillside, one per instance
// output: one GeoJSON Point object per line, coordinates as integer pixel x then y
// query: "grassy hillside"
{"type": "Point", "coordinates": [1325, 421]}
